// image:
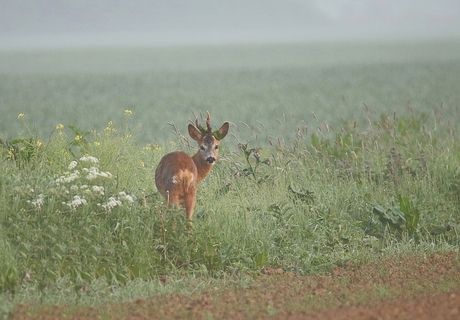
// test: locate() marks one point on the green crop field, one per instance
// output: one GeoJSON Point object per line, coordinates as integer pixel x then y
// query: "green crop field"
{"type": "Point", "coordinates": [254, 84]}
{"type": "Point", "coordinates": [336, 152]}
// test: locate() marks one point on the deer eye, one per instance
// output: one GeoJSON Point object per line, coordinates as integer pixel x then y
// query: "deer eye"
{"type": "Point", "coordinates": [216, 147]}
{"type": "Point", "coordinates": [202, 148]}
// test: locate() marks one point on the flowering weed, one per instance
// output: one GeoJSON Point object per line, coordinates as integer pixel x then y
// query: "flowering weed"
{"type": "Point", "coordinates": [83, 186]}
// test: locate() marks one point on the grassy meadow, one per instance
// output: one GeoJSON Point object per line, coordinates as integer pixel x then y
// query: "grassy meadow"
{"type": "Point", "coordinates": [337, 152]}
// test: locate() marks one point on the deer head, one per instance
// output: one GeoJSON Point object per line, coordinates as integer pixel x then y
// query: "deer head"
{"type": "Point", "coordinates": [208, 140]}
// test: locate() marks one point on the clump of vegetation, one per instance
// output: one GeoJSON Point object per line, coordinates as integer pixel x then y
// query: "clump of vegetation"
{"type": "Point", "coordinates": [79, 212]}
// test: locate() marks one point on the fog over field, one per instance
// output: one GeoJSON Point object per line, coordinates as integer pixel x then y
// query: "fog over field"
{"type": "Point", "coordinates": [46, 23]}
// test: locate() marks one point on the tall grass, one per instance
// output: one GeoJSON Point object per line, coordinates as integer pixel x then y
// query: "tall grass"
{"type": "Point", "coordinates": [80, 216]}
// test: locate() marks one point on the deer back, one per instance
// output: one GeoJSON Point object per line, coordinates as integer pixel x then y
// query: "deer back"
{"type": "Point", "coordinates": [176, 171]}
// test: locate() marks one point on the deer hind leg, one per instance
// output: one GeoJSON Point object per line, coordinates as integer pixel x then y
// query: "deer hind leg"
{"type": "Point", "coordinates": [172, 198]}
{"type": "Point", "coordinates": [189, 203]}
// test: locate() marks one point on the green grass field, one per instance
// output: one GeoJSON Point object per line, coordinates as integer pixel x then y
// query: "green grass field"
{"type": "Point", "coordinates": [247, 83]}
{"type": "Point", "coordinates": [337, 152]}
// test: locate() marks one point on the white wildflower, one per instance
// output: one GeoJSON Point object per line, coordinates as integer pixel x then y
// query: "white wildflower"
{"type": "Point", "coordinates": [73, 188]}
{"type": "Point", "coordinates": [76, 202]}
{"type": "Point", "coordinates": [112, 203]}
{"type": "Point", "coordinates": [98, 189]}
{"type": "Point", "coordinates": [87, 192]}
{"type": "Point", "coordinates": [39, 202]}
{"type": "Point", "coordinates": [89, 159]}
{"type": "Point", "coordinates": [72, 164]}
{"type": "Point", "coordinates": [68, 177]}
{"type": "Point", "coordinates": [93, 173]}
{"type": "Point", "coordinates": [105, 174]}
{"type": "Point", "coordinates": [126, 197]}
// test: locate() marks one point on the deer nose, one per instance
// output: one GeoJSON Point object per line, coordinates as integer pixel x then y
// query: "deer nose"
{"type": "Point", "coordinates": [210, 160]}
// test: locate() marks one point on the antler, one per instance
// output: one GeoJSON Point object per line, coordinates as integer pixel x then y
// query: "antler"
{"type": "Point", "coordinates": [208, 124]}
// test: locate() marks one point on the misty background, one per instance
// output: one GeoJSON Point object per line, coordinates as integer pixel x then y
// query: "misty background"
{"type": "Point", "coordinates": [69, 23]}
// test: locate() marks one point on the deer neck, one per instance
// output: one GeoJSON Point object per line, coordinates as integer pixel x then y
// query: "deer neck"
{"type": "Point", "coordinates": [202, 166]}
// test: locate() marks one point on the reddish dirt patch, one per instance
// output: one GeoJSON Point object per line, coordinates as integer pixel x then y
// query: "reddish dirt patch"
{"type": "Point", "coordinates": [401, 288]}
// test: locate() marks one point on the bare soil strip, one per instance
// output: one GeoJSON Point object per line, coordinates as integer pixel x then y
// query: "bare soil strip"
{"type": "Point", "coordinates": [404, 287]}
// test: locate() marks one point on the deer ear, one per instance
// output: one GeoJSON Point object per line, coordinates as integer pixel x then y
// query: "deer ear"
{"type": "Point", "coordinates": [222, 132]}
{"type": "Point", "coordinates": [194, 133]}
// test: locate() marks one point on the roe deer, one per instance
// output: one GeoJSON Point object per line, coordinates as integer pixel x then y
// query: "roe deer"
{"type": "Point", "coordinates": [177, 175]}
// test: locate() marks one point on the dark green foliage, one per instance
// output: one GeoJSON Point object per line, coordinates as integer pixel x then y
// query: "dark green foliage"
{"type": "Point", "coordinates": [179, 246]}
{"type": "Point", "coordinates": [9, 274]}
{"type": "Point", "coordinates": [120, 246]}
{"type": "Point", "coordinates": [405, 217]}
{"type": "Point", "coordinates": [261, 259]}
{"type": "Point", "coordinates": [20, 151]}
{"type": "Point", "coordinates": [78, 145]}
{"type": "Point", "coordinates": [253, 169]}
{"type": "Point", "coordinates": [301, 194]}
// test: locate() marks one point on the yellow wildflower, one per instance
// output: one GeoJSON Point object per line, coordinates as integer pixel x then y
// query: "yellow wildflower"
{"type": "Point", "coordinates": [21, 115]}
{"type": "Point", "coordinates": [97, 143]}
{"type": "Point", "coordinates": [39, 143]}
{"type": "Point", "coordinates": [142, 164]}
{"type": "Point", "coordinates": [128, 112]}
{"type": "Point", "coordinates": [110, 126]}
{"type": "Point", "coordinates": [78, 137]}
{"type": "Point", "coordinates": [59, 127]}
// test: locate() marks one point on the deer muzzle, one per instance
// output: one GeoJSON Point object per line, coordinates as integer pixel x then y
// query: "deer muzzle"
{"type": "Point", "coordinates": [210, 160]}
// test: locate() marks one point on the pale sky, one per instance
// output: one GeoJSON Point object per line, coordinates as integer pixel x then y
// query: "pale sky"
{"type": "Point", "coordinates": [50, 23]}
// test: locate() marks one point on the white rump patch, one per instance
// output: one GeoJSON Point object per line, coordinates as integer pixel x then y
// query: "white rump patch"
{"type": "Point", "coordinates": [175, 180]}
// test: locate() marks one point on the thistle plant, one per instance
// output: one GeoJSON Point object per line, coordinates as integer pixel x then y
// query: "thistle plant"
{"type": "Point", "coordinates": [252, 169]}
